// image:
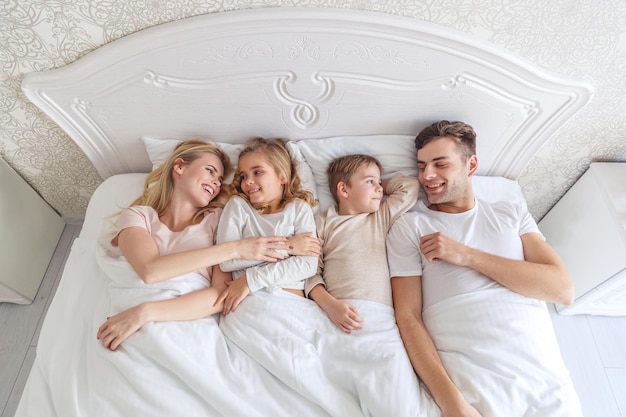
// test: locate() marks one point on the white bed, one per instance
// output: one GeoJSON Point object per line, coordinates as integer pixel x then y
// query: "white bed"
{"type": "Point", "coordinates": [331, 81]}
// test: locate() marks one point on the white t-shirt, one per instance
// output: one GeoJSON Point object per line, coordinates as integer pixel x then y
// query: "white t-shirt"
{"type": "Point", "coordinates": [490, 227]}
{"type": "Point", "coordinates": [240, 220]}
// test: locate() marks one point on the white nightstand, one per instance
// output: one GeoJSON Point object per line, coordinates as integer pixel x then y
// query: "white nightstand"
{"type": "Point", "coordinates": [30, 232]}
{"type": "Point", "coordinates": [587, 227]}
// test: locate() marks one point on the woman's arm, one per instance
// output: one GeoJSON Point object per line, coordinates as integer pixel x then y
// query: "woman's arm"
{"type": "Point", "coordinates": [193, 305]}
{"type": "Point", "coordinates": [142, 253]}
{"type": "Point", "coordinates": [190, 306]}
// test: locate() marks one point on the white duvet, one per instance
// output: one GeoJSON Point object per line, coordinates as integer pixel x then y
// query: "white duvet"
{"type": "Point", "coordinates": [501, 351]}
{"type": "Point", "coordinates": [279, 355]}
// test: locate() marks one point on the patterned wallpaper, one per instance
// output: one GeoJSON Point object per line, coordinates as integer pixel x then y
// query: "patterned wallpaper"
{"type": "Point", "coordinates": [582, 38]}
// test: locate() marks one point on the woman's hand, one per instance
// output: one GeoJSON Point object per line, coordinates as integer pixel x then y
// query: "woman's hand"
{"type": "Point", "coordinates": [262, 248]}
{"type": "Point", "coordinates": [121, 326]}
{"type": "Point", "coordinates": [304, 244]}
{"type": "Point", "coordinates": [233, 295]}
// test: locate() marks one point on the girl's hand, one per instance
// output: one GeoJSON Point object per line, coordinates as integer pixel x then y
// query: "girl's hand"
{"type": "Point", "coordinates": [262, 248]}
{"type": "Point", "coordinates": [233, 295]}
{"type": "Point", "coordinates": [121, 326]}
{"type": "Point", "coordinates": [304, 244]}
{"type": "Point", "coordinates": [345, 316]}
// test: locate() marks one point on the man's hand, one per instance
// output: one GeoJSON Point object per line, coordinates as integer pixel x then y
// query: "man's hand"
{"type": "Point", "coordinates": [437, 246]}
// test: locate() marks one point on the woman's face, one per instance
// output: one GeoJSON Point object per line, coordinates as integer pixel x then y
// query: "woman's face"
{"type": "Point", "coordinates": [202, 178]}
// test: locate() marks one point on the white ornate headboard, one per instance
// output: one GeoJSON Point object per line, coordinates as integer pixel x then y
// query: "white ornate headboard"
{"type": "Point", "coordinates": [301, 73]}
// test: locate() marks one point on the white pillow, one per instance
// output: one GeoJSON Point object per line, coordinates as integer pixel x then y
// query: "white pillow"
{"type": "Point", "coordinates": [159, 149]}
{"type": "Point", "coordinates": [396, 153]}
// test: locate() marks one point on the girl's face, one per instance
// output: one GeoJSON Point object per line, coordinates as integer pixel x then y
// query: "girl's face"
{"type": "Point", "coordinates": [201, 180]}
{"type": "Point", "coordinates": [260, 181]}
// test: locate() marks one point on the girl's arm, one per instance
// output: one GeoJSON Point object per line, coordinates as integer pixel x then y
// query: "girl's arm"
{"type": "Point", "coordinates": [235, 223]}
{"type": "Point", "coordinates": [293, 269]}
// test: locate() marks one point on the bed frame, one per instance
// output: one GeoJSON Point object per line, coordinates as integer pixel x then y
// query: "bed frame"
{"type": "Point", "coordinates": [302, 74]}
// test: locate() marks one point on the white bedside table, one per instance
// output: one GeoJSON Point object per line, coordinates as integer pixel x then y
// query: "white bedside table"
{"type": "Point", "coordinates": [30, 233]}
{"type": "Point", "coordinates": [587, 227]}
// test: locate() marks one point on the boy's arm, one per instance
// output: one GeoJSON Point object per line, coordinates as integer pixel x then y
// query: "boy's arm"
{"type": "Point", "coordinates": [317, 279]}
{"type": "Point", "coordinates": [402, 192]}
{"type": "Point", "coordinates": [343, 314]}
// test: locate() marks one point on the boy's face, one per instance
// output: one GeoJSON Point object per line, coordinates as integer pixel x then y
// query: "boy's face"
{"type": "Point", "coordinates": [364, 193]}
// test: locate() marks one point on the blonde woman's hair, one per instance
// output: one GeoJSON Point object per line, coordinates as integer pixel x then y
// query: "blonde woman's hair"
{"type": "Point", "coordinates": [278, 156]}
{"type": "Point", "coordinates": [159, 185]}
{"type": "Point", "coordinates": [342, 169]}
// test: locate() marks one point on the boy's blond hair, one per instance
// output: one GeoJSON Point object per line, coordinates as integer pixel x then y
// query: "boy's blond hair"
{"type": "Point", "coordinates": [343, 168]}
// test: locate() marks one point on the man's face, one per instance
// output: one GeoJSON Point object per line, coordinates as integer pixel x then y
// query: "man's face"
{"type": "Point", "coordinates": [445, 176]}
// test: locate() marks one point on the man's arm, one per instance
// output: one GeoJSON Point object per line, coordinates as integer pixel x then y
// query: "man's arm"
{"type": "Point", "coordinates": [542, 274]}
{"type": "Point", "coordinates": [407, 300]}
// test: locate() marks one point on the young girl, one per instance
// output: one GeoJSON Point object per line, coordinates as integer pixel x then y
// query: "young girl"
{"type": "Point", "coordinates": [270, 200]}
{"type": "Point", "coordinates": [170, 231]}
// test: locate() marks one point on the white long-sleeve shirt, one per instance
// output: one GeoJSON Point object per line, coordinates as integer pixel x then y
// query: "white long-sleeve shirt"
{"type": "Point", "coordinates": [240, 220]}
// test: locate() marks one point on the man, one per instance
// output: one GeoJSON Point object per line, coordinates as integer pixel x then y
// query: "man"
{"type": "Point", "coordinates": [452, 252]}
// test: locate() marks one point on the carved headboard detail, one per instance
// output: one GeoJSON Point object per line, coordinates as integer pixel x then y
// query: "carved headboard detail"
{"type": "Point", "coordinates": [301, 73]}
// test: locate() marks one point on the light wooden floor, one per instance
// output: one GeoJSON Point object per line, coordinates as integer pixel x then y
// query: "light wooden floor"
{"type": "Point", "coordinates": [593, 347]}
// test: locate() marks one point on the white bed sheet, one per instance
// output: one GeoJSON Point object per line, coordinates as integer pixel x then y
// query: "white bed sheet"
{"type": "Point", "coordinates": [191, 369]}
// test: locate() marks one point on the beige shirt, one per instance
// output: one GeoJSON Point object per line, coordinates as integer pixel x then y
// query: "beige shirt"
{"type": "Point", "coordinates": [353, 264]}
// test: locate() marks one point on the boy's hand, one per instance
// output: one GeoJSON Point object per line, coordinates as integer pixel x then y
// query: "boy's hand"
{"type": "Point", "coordinates": [345, 316]}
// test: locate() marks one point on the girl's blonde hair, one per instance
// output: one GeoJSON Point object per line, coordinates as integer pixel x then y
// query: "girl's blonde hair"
{"type": "Point", "coordinates": [278, 156]}
{"type": "Point", "coordinates": [159, 185]}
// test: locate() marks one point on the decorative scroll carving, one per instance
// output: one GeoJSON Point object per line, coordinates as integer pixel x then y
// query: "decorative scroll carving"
{"type": "Point", "coordinates": [98, 140]}
{"type": "Point", "coordinates": [529, 107]}
{"type": "Point", "coordinates": [303, 46]}
{"type": "Point", "coordinates": [302, 112]}
{"type": "Point", "coordinates": [231, 52]}
{"type": "Point", "coordinates": [375, 53]}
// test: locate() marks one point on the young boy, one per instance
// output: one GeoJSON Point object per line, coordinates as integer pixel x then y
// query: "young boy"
{"type": "Point", "coordinates": [353, 264]}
